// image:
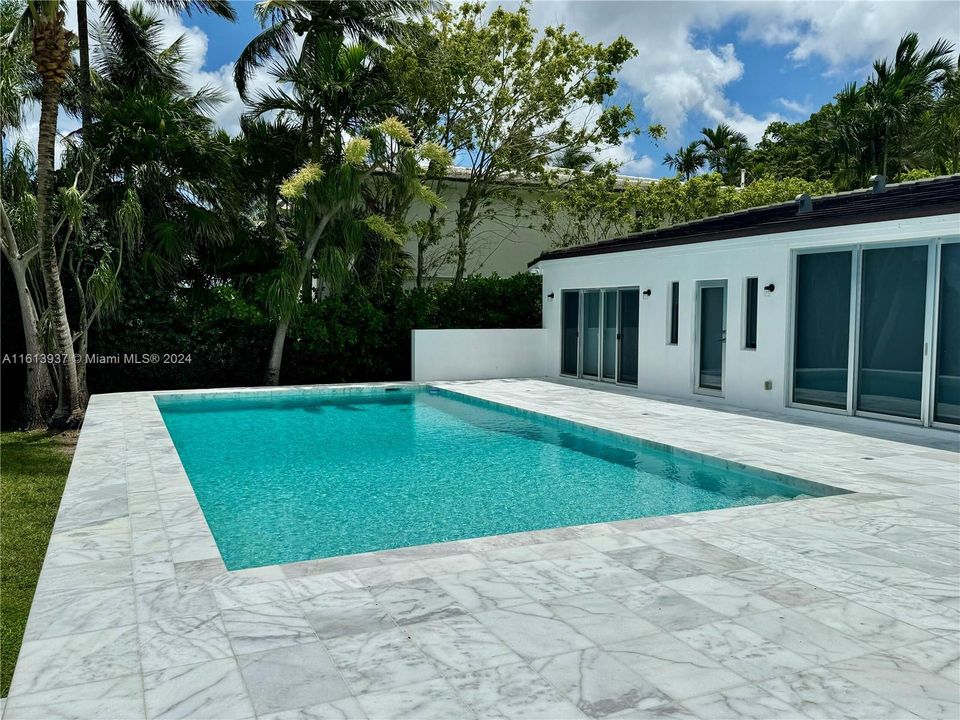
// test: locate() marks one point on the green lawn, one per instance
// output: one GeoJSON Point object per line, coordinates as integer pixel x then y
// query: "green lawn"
{"type": "Point", "coordinates": [33, 469]}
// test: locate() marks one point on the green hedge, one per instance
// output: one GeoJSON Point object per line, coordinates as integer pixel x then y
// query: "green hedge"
{"type": "Point", "coordinates": [353, 337]}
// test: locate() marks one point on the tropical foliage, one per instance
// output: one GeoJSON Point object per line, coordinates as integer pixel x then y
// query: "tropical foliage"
{"type": "Point", "coordinates": [279, 253]}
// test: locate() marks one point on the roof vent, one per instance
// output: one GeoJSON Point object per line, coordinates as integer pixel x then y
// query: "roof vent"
{"type": "Point", "coordinates": [804, 203]}
{"type": "Point", "coordinates": [878, 183]}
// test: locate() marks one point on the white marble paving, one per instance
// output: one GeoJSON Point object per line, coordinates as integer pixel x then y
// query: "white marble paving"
{"type": "Point", "coordinates": [832, 607]}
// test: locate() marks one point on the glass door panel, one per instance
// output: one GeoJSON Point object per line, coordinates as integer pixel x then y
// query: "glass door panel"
{"type": "Point", "coordinates": [821, 341]}
{"type": "Point", "coordinates": [609, 354]}
{"type": "Point", "coordinates": [570, 331]}
{"type": "Point", "coordinates": [590, 339]}
{"type": "Point", "coordinates": [892, 307]}
{"type": "Point", "coordinates": [946, 397]}
{"type": "Point", "coordinates": [712, 337]}
{"type": "Point", "coordinates": [629, 336]}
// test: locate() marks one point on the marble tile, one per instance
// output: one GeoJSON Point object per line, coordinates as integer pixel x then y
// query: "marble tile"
{"type": "Point", "coordinates": [903, 683]}
{"type": "Point", "coordinates": [782, 589]}
{"type": "Point", "coordinates": [173, 641]}
{"type": "Point", "coordinates": [87, 576]}
{"type": "Point", "coordinates": [664, 607]}
{"type": "Point", "coordinates": [867, 626]}
{"type": "Point", "coordinates": [460, 644]}
{"type": "Point", "coordinates": [613, 541]}
{"type": "Point", "coordinates": [915, 610]}
{"type": "Point", "coordinates": [673, 666]}
{"type": "Point", "coordinates": [747, 701]}
{"type": "Point", "coordinates": [153, 568]}
{"type": "Point", "coordinates": [707, 556]}
{"type": "Point", "coordinates": [76, 659]}
{"type": "Point", "coordinates": [307, 587]}
{"type": "Point", "coordinates": [743, 651]}
{"type": "Point", "coordinates": [380, 661]}
{"type": "Point", "coordinates": [346, 612]}
{"type": "Point", "coordinates": [430, 700]}
{"type": "Point", "coordinates": [68, 613]}
{"type": "Point", "coordinates": [599, 571]}
{"type": "Point", "coordinates": [599, 684]}
{"type": "Point", "coordinates": [390, 573]}
{"type": "Point", "coordinates": [723, 596]}
{"type": "Point", "coordinates": [115, 698]}
{"type": "Point", "coordinates": [452, 564]}
{"type": "Point", "coordinates": [105, 540]}
{"type": "Point", "coordinates": [804, 636]}
{"type": "Point", "coordinates": [416, 601]}
{"type": "Point", "coordinates": [164, 599]}
{"type": "Point", "coordinates": [478, 590]}
{"type": "Point", "coordinates": [600, 618]}
{"type": "Point", "coordinates": [532, 630]}
{"type": "Point", "coordinates": [263, 627]}
{"type": "Point", "coordinates": [277, 591]}
{"type": "Point", "coordinates": [345, 709]}
{"type": "Point", "coordinates": [512, 692]}
{"type": "Point", "coordinates": [656, 563]}
{"type": "Point", "coordinates": [822, 694]}
{"type": "Point", "coordinates": [291, 677]}
{"type": "Point", "coordinates": [543, 580]}
{"type": "Point", "coordinates": [208, 691]}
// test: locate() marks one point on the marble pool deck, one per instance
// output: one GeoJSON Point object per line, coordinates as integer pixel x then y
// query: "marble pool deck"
{"type": "Point", "coordinates": [845, 606]}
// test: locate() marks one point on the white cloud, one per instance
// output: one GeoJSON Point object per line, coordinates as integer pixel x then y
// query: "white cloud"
{"type": "Point", "coordinates": [795, 107]}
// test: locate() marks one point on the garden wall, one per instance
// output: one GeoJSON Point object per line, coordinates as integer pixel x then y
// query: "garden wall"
{"type": "Point", "coordinates": [477, 354]}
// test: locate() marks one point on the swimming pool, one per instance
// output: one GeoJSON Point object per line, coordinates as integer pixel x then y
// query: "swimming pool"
{"type": "Point", "coordinates": [283, 477]}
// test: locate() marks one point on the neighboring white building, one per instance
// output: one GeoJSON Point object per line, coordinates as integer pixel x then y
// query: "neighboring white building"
{"type": "Point", "coordinates": [502, 243]}
{"type": "Point", "coordinates": [846, 303]}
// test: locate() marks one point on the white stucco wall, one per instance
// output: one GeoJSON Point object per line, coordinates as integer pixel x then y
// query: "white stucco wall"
{"type": "Point", "coordinates": [477, 354]}
{"type": "Point", "coordinates": [669, 369]}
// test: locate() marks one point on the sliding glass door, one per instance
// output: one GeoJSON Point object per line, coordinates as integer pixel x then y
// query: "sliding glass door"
{"type": "Point", "coordinates": [629, 336]}
{"type": "Point", "coordinates": [946, 407]}
{"type": "Point", "coordinates": [893, 299]}
{"type": "Point", "coordinates": [875, 331]}
{"type": "Point", "coordinates": [821, 349]}
{"type": "Point", "coordinates": [570, 332]}
{"type": "Point", "coordinates": [590, 337]}
{"type": "Point", "coordinates": [599, 334]}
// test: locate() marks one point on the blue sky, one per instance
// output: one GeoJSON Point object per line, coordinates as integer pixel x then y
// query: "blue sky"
{"type": "Point", "coordinates": [744, 62]}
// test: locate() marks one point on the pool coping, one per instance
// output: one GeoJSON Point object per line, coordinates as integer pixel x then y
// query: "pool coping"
{"type": "Point", "coordinates": [127, 481]}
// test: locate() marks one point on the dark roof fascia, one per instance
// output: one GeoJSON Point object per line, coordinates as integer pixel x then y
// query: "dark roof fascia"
{"type": "Point", "coordinates": [776, 219]}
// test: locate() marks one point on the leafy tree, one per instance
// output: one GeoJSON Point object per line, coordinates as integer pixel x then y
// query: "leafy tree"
{"type": "Point", "coordinates": [687, 161]}
{"type": "Point", "coordinates": [670, 201]}
{"type": "Point", "coordinates": [328, 224]}
{"type": "Point", "coordinates": [573, 159]}
{"type": "Point", "coordinates": [510, 101]}
{"type": "Point", "coordinates": [588, 206]}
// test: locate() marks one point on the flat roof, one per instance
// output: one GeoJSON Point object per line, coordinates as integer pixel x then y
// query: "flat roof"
{"type": "Point", "coordinates": [918, 198]}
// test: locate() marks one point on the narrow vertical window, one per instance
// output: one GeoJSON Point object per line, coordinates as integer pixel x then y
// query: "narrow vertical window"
{"type": "Point", "coordinates": [750, 316]}
{"type": "Point", "coordinates": [674, 313]}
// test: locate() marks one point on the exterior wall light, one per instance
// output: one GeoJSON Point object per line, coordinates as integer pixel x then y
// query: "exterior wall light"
{"type": "Point", "coordinates": [769, 288]}
{"type": "Point", "coordinates": [550, 296]}
{"type": "Point", "coordinates": [647, 292]}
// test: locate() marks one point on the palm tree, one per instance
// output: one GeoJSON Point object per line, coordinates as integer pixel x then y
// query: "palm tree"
{"type": "Point", "coordinates": [52, 47]}
{"type": "Point", "coordinates": [284, 21]}
{"type": "Point", "coordinates": [573, 158]}
{"type": "Point", "coordinates": [113, 13]}
{"type": "Point", "coordinates": [687, 160]}
{"type": "Point", "coordinates": [717, 144]}
{"type": "Point", "coordinates": [901, 91]}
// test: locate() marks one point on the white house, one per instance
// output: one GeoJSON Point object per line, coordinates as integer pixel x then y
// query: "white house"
{"type": "Point", "coordinates": [846, 303]}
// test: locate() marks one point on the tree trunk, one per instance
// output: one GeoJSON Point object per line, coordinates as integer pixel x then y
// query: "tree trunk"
{"type": "Point", "coordinates": [83, 32]}
{"type": "Point", "coordinates": [69, 412]}
{"type": "Point", "coordinates": [272, 376]}
{"type": "Point", "coordinates": [39, 396]}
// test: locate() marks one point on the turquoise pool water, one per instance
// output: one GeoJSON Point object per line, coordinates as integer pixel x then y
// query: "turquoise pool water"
{"type": "Point", "coordinates": [297, 477]}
